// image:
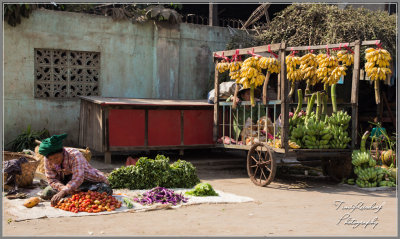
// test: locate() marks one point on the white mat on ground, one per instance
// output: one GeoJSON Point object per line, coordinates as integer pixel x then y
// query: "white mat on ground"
{"type": "Point", "coordinates": [44, 210]}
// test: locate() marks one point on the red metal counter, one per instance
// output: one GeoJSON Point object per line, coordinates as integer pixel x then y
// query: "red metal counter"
{"type": "Point", "coordinates": [123, 124]}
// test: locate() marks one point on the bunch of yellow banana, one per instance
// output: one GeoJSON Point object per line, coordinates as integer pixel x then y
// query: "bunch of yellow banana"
{"type": "Point", "coordinates": [251, 61]}
{"type": "Point", "coordinates": [234, 70]}
{"type": "Point", "coordinates": [335, 75]}
{"type": "Point", "coordinates": [377, 63]}
{"type": "Point", "coordinates": [235, 65]}
{"type": "Point", "coordinates": [250, 75]}
{"type": "Point", "coordinates": [293, 72]}
{"type": "Point", "coordinates": [270, 63]}
{"type": "Point", "coordinates": [222, 66]}
{"type": "Point", "coordinates": [326, 65]}
{"type": "Point", "coordinates": [278, 144]}
{"type": "Point", "coordinates": [345, 57]}
{"type": "Point", "coordinates": [308, 67]}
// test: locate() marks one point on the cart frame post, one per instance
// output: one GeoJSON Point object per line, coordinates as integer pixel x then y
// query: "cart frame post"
{"type": "Point", "coordinates": [284, 99]}
{"type": "Point", "coordinates": [216, 102]}
{"type": "Point", "coordinates": [354, 93]}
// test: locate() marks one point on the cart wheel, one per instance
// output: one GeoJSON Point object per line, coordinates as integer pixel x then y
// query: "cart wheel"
{"type": "Point", "coordinates": [261, 166]}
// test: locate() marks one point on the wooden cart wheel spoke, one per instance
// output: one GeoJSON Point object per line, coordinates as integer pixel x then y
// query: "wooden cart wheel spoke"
{"type": "Point", "coordinates": [255, 171]}
{"type": "Point", "coordinates": [265, 167]}
{"type": "Point", "coordinates": [255, 159]}
{"type": "Point", "coordinates": [268, 169]}
{"type": "Point", "coordinates": [259, 155]}
{"type": "Point", "coordinates": [265, 176]}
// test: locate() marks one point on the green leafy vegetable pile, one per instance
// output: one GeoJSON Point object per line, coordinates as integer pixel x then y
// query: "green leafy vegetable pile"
{"type": "Point", "coordinates": [202, 190]}
{"type": "Point", "coordinates": [150, 173]}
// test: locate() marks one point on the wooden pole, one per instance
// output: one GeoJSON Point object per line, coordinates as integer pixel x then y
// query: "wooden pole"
{"type": "Point", "coordinates": [279, 86]}
{"type": "Point", "coordinates": [216, 100]}
{"type": "Point", "coordinates": [235, 96]}
{"type": "Point", "coordinates": [284, 100]}
{"type": "Point", "coordinates": [213, 15]}
{"type": "Point", "coordinates": [354, 93]}
{"type": "Point", "coordinates": [264, 97]}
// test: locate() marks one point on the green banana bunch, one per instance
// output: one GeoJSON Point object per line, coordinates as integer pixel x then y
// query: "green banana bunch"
{"type": "Point", "coordinates": [340, 118]}
{"type": "Point", "coordinates": [362, 158]}
{"type": "Point", "coordinates": [340, 137]}
{"type": "Point", "coordinates": [365, 184]}
{"type": "Point", "coordinates": [350, 181]}
{"type": "Point", "coordinates": [387, 184]}
{"type": "Point", "coordinates": [297, 133]}
{"type": "Point", "coordinates": [368, 174]}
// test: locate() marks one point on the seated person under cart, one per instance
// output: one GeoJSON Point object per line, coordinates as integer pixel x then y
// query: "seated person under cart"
{"type": "Point", "coordinates": [67, 171]}
{"type": "Point", "coordinates": [253, 116]}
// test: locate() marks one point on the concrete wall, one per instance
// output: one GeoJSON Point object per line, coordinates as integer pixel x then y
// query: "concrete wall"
{"type": "Point", "coordinates": [137, 60]}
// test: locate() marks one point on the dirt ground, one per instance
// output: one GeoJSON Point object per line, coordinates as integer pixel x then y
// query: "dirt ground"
{"type": "Point", "coordinates": [323, 208]}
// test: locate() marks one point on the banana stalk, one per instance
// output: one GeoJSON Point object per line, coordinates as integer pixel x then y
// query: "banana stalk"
{"type": "Point", "coordinates": [363, 141]}
{"type": "Point", "coordinates": [234, 105]}
{"type": "Point", "coordinates": [307, 91]}
{"type": "Point", "coordinates": [377, 93]}
{"type": "Point", "coordinates": [265, 88]}
{"type": "Point", "coordinates": [333, 96]}
{"type": "Point", "coordinates": [291, 90]}
{"type": "Point", "coordinates": [253, 103]}
{"type": "Point", "coordinates": [318, 111]}
{"type": "Point", "coordinates": [310, 104]}
{"type": "Point", "coordinates": [299, 104]}
{"type": "Point", "coordinates": [324, 106]}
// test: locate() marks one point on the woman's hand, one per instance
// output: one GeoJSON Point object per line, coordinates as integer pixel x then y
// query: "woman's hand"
{"type": "Point", "coordinates": [56, 198]}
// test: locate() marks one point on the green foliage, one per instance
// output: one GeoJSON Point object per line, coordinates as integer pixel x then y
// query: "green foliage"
{"type": "Point", "coordinates": [14, 12]}
{"type": "Point", "coordinates": [202, 190]}
{"type": "Point", "coordinates": [149, 173]}
{"type": "Point", "coordinates": [137, 13]}
{"type": "Point", "coordinates": [316, 24]}
{"type": "Point", "coordinates": [26, 140]}
{"type": "Point", "coordinates": [319, 24]}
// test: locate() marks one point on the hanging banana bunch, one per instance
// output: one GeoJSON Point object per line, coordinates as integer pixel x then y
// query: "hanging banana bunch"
{"type": "Point", "coordinates": [251, 76]}
{"type": "Point", "coordinates": [377, 67]}
{"type": "Point", "coordinates": [234, 70]}
{"type": "Point", "coordinates": [271, 64]}
{"type": "Point", "coordinates": [222, 66]}
{"type": "Point", "coordinates": [337, 72]}
{"type": "Point", "coordinates": [294, 73]}
{"type": "Point", "coordinates": [308, 67]}
{"type": "Point", "coordinates": [345, 57]}
{"type": "Point", "coordinates": [326, 66]}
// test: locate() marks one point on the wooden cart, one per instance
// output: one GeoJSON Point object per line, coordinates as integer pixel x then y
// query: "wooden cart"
{"type": "Point", "coordinates": [108, 125]}
{"type": "Point", "coordinates": [262, 159]}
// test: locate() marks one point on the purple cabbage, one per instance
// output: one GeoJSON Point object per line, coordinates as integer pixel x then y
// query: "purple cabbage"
{"type": "Point", "coordinates": [160, 195]}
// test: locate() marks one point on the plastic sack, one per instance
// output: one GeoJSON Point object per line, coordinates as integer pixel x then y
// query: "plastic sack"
{"type": "Point", "coordinates": [226, 89]}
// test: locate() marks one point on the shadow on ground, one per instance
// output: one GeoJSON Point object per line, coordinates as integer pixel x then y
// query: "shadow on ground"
{"type": "Point", "coordinates": [219, 164]}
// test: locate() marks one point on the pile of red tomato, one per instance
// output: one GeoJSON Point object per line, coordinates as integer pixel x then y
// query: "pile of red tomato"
{"type": "Point", "coordinates": [92, 202]}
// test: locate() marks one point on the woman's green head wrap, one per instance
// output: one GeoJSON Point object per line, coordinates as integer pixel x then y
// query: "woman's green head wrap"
{"type": "Point", "coordinates": [52, 144]}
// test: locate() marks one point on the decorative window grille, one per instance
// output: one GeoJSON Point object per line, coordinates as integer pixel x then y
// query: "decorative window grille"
{"type": "Point", "coordinates": [66, 74]}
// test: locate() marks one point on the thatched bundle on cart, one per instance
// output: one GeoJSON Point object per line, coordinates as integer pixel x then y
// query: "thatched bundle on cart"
{"type": "Point", "coordinates": [317, 24]}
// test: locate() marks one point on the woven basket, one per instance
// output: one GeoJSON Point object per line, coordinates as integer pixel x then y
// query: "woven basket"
{"type": "Point", "coordinates": [28, 169]}
{"type": "Point", "coordinates": [86, 153]}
